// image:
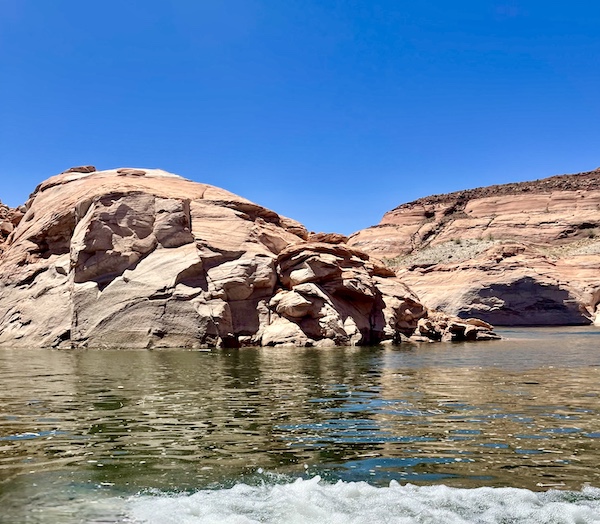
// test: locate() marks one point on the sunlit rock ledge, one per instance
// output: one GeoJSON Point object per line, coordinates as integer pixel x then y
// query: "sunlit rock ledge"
{"type": "Point", "coordinates": [142, 258]}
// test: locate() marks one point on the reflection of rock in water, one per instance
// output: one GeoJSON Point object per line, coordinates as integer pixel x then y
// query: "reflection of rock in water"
{"type": "Point", "coordinates": [495, 413]}
{"type": "Point", "coordinates": [178, 420]}
{"type": "Point", "coordinates": [144, 258]}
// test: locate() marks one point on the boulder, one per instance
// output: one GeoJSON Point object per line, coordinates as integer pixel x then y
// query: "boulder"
{"type": "Point", "coordinates": [328, 238]}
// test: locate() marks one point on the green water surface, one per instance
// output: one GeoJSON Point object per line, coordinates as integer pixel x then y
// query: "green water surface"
{"type": "Point", "coordinates": [521, 412]}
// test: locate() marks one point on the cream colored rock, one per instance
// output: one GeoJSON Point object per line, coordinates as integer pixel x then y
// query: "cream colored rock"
{"type": "Point", "coordinates": [284, 332]}
{"type": "Point", "coordinates": [516, 254]}
{"type": "Point", "coordinates": [291, 304]}
{"type": "Point", "coordinates": [147, 259]}
{"type": "Point", "coordinates": [239, 279]}
{"type": "Point", "coordinates": [6, 228]}
{"type": "Point", "coordinates": [119, 259]}
{"type": "Point", "coordinates": [350, 305]}
{"type": "Point", "coordinates": [527, 288]}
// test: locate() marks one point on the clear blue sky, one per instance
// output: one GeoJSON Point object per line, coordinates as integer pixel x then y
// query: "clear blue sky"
{"type": "Point", "coordinates": [330, 112]}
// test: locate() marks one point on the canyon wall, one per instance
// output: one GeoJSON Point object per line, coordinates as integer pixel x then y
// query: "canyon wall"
{"type": "Point", "coordinates": [515, 254]}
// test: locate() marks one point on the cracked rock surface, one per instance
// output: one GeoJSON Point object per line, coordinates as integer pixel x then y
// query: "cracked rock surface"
{"type": "Point", "coordinates": [142, 258]}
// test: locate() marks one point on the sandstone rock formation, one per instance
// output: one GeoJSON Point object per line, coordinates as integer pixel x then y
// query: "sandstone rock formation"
{"type": "Point", "coordinates": [514, 254]}
{"type": "Point", "coordinates": [9, 219]}
{"type": "Point", "coordinates": [145, 258]}
{"type": "Point", "coordinates": [6, 227]}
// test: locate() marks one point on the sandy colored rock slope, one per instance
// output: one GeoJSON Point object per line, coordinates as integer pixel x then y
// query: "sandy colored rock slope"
{"type": "Point", "coordinates": [145, 258]}
{"type": "Point", "coordinates": [514, 254]}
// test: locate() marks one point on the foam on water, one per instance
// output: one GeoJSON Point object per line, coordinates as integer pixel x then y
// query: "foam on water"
{"type": "Point", "coordinates": [314, 501]}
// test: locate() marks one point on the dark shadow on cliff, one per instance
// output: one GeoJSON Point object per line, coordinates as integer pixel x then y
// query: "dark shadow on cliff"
{"type": "Point", "coordinates": [526, 302]}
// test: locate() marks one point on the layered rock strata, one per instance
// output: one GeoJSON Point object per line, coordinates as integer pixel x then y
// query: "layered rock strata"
{"type": "Point", "coordinates": [515, 254]}
{"type": "Point", "coordinates": [144, 258]}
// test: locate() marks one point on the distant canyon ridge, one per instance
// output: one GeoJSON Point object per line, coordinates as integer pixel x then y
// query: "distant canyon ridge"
{"type": "Point", "coordinates": [142, 258]}
{"type": "Point", "coordinates": [514, 254]}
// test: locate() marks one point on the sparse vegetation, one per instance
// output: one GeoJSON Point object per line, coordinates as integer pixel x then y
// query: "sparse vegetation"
{"type": "Point", "coordinates": [453, 251]}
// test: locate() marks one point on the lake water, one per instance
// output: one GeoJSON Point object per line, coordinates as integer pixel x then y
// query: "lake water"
{"type": "Point", "coordinates": [489, 432]}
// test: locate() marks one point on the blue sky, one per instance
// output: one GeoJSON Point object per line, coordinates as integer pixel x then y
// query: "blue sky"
{"type": "Point", "coordinates": [330, 112]}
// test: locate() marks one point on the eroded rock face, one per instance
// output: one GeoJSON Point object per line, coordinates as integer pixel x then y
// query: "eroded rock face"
{"type": "Point", "coordinates": [9, 220]}
{"type": "Point", "coordinates": [144, 258]}
{"type": "Point", "coordinates": [6, 227]}
{"type": "Point", "coordinates": [517, 254]}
